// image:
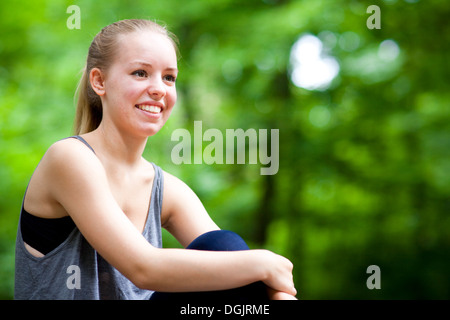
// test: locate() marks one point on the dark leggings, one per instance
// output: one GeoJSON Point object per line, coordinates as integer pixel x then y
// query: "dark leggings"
{"type": "Point", "coordinates": [218, 240]}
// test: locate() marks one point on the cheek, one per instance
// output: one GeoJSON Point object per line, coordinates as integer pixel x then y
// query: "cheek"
{"type": "Point", "coordinates": [122, 91]}
{"type": "Point", "coordinates": [132, 91]}
{"type": "Point", "coordinates": [172, 96]}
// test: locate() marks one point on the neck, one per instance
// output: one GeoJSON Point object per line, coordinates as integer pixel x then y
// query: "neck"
{"type": "Point", "coordinates": [117, 148]}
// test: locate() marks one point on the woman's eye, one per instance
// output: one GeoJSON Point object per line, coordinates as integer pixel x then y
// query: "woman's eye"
{"type": "Point", "coordinates": [140, 73]}
{"type": "Point", "coordinates": [170, 78]}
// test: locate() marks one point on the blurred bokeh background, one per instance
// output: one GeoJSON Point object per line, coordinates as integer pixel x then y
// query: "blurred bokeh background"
{"type": "Point", "coordinates": [363, 117]}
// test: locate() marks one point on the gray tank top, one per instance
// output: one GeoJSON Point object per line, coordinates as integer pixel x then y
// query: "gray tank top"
{"type": "Point", "coordinates": [75, 271]}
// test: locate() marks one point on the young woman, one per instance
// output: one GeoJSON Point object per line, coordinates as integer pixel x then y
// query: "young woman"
{"type": "Point", "coordinates": [91, 219]}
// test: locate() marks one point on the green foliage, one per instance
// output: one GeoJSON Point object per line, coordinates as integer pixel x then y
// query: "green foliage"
{"type": "Point", "coordinates": [364, 165]}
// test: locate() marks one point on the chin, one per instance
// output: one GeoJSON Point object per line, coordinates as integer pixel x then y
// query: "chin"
{"type": "Point", "coordinates": [148, 132]}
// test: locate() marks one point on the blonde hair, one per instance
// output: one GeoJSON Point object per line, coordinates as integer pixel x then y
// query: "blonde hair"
{"type": "Point", "coordinates": [100, 55]}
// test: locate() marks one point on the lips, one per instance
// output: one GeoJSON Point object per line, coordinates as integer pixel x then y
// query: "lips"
{"type": "Point", "coordinates": [152, 107]}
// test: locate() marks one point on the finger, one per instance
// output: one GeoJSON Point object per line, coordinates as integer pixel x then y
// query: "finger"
{"type": "Point", "coordinates": [279, 295]}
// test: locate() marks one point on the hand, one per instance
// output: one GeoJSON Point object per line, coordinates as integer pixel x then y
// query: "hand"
{"type": "Point", "coordinates": [279, 274]}
{"type": "Point", "coordinates": [279, 295]}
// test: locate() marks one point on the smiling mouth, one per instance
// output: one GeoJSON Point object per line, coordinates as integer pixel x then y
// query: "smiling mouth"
{"type": "Point", "coordinates": [149, 108]}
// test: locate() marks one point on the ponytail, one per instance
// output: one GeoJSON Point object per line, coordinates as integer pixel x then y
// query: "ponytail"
{"type": "Point", "coordinates": [89, 107]}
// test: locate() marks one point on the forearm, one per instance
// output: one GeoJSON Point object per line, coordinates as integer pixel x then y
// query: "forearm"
{"type": "Point", "coordinates": [180, 270]}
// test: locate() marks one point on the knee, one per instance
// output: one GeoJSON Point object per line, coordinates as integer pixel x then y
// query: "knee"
{"type": "Point", "coordinates": [219, 240]}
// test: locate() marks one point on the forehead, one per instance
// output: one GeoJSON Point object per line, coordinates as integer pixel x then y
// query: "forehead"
{"type": "Point", "coordinates": [147, 46]}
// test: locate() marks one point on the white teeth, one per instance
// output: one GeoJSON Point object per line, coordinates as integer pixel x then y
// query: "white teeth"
{"type": "Point", "coordinates": [152, 109]}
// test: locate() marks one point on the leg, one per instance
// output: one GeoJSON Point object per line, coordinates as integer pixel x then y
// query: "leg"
{"type": "Point", "coordinates": [219, 240]}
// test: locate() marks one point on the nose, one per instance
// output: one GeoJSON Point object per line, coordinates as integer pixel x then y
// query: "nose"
{"type": "Point", "coordinates": [156, 88]}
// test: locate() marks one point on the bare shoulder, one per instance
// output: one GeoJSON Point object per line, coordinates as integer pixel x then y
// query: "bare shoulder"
{"type": "Point", "coordinates": [173, 182]}
{"type": "Point", "coordinates": [64, 162]}
{"type": "Point", "coordinates": [74, 157]}
{"type": "Point", "coordinates": [68, 149]}
{"type": "Point", "coordinates": [176, 191]}
{"type": "Point", "coordinates": [69, 156]}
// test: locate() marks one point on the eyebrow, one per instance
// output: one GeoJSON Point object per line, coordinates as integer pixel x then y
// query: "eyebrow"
{"type": "Point", "coordinates": [147, 64]}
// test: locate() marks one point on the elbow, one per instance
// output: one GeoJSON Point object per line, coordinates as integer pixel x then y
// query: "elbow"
{"type": "Point", "coordinates": [140, 281]}
{"type": "Point", "coordinates": [144, 275]}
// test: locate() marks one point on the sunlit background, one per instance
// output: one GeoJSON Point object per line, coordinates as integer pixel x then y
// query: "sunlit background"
{"type": "Point", "coordinates": [363, 117]}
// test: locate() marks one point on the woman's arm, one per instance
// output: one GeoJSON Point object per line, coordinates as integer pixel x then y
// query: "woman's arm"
{"type": "Point", "coordinates": [77, 181]}
{"type": "Point", "coordinates": [183, 214]}
{"type": "Point", "coordinates": [185, 217]}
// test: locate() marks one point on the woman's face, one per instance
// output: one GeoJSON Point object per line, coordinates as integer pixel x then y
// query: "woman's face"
{"type": "Point", "coordinates": [139, 86]}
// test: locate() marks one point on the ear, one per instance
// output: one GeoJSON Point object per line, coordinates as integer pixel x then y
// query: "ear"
{"type": "Point", "coordinates": [97, 80]}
